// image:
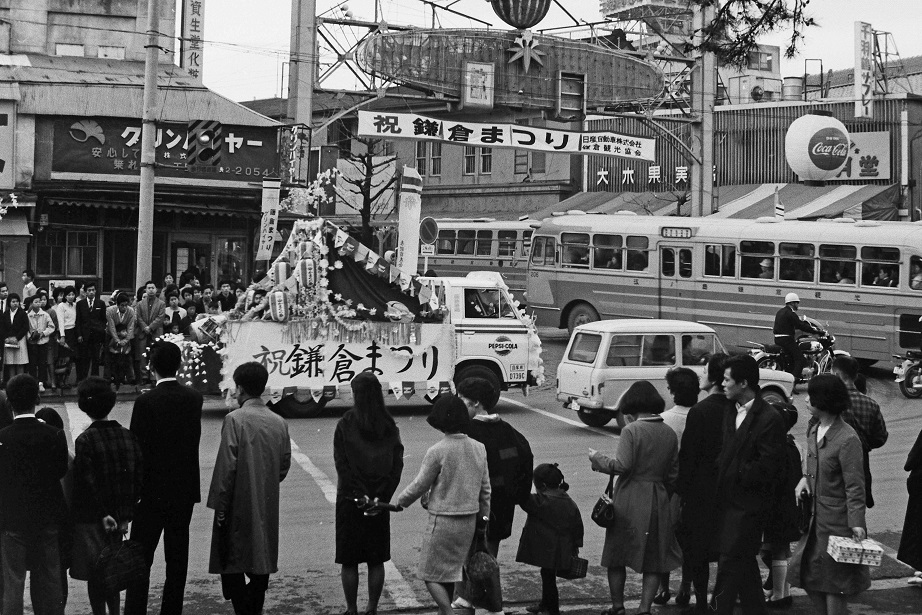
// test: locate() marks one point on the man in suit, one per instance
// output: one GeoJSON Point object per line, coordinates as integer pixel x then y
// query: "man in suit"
{"type": "Point", "coordinates": [33, 459]}
{"type": "Point", "coordinates": [747, 473]}
{"type": "Point", "coordinates": [91, 332]}
{"type": "Point", "coordinates": [167, 422]}
{"type": "Point", "coordinates": [149, 326]}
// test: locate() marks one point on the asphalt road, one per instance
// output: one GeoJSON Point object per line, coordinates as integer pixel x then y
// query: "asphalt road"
{"type": "Point", "coordinates": [308, 580]}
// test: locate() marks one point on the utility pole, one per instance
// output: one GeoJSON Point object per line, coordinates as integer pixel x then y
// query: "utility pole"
{"type": "Point", "coordinates": [704, 88]}
{"type": "Point", "coordinates": [148, 148]}
{"type": "Point", "coordinates": [303, 61]}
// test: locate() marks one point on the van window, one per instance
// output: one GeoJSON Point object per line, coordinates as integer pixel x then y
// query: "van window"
{"type": "Point", "coordinates": [585, 347]}
{"type": "Point", "coordinates": [624, 351]}
{"type": "Point", "coordinates": [658, 350]}
{"type": "Point", "coordinates": [486, 303]}
{"type": "Point", "coordinates": [697, 348]}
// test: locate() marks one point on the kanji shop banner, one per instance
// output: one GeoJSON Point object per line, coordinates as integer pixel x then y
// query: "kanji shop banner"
{"type": "Point", "coordinates": [316, 362]}
{"type": "Point", "coordinates": [112, 146]}
{"type": "Point", "coordinates": [193, 30]}
{"type": "Point", "coordinates": [412, 126]}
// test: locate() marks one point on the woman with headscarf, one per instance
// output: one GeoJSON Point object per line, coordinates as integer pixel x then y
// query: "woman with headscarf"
{"type": "Point", "coordinates": [454, 485]}
{"type": "Point", "coordinates": [647, 465]}
{"type": "Point", "coordinates": [369, 461]}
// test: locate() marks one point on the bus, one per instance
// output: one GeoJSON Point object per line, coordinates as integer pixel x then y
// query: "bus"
{"type": "Point", "coordinates": [861, 279]}
{"type": "Point", "coordinates": [483, 244]}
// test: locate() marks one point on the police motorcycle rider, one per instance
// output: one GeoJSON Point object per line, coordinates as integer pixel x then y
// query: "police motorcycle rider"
{"type": "Point", "coordinates": [787, 322]}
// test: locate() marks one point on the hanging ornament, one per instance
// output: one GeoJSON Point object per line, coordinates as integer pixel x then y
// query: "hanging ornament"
{"type": "Point", "coordinates": [521, 14]}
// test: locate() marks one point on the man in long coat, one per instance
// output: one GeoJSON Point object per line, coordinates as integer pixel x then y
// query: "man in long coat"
{"type": "Point", "coordinates": [148, 326]}
{"type": "Point", "coordinates": [747, 471]}
{"type": "Point", "coordinates": [253, 459]}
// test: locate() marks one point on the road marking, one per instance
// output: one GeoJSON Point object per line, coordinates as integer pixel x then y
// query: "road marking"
{"type": "Point", "coordinates": [562, 419]}
{"type": "Point", "coordinates": [76, 419]}
{"type": "Point", "coordinates": [400, 591]}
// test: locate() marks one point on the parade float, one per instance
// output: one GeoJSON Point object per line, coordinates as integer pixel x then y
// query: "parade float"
{"type": "Point", "coordinates": [330, 308]}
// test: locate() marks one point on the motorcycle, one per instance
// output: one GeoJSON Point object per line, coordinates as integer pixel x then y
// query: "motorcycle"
{"type": "Point", "coordinates": [909, 373]}
{"type": "Point", "coordinates": [818, 349]}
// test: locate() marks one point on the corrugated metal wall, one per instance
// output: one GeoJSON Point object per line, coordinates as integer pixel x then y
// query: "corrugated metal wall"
{"type": "Point", "coordinates": [748, 146]}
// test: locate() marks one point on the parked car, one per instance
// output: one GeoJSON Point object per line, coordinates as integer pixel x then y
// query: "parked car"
{"type": "Point", "coordinates": [605, 357]}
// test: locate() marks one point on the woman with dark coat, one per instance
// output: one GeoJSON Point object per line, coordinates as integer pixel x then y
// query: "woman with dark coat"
{"type": "Point", "coordinates": [647, 463]}
{"type": "Point", "coordinates": [834, 477]}
{"type": "Point", "coordinates": [369, 461]}
{"type": "Point", "coordinates": [697, 484]}
{"type": "Point", "coordinates": [910, 552]}
{"type": "Point", "coordinates": [14, 327]}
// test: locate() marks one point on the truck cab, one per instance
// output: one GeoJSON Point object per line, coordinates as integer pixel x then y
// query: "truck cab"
{"type": "Point", "coordinates": [492, 339]}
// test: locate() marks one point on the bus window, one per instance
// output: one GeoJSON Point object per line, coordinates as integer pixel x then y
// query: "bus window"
{"type": "Point", "coordinates": [881, 266]}
{"type": "Point", "coordinates": [758, 259]}
{"type": "Point", "coordinates": [685, 263]}
{"type": "Point", "coordinates": [575, 249]}
{"type": "Point", "coordinates": [484, 243]}
{"type": "Point", "coordinates": [526, 243]}
{"type": "Point", "coordinates": [607, 252]}
{"type": "Point", "coordinates": [506, 245]}
{"type": "Point", "coordinates": [667, 263]}
{"type": "Point", "coordinates": [720, 260]}
{"type": "Point", "coordinates": [837, 264]}
{"type": "Point", "coordinates": [537, 251]}
{"type": "Point", "coordinates": [466, 242]}
{"type": "Point", "coordinates": [915, 273]}
{"type": "Point", "coordinates": [637, 258]}
{"type": "Point", "coordinates": [796, 261]}
{"type": "Point", "coordinates": [446, 243]}
{"type": "Point", "coordinates": [623, 351]}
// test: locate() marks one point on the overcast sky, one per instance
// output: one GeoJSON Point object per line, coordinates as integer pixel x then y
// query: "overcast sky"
{"type": "Point", "coordinates": [248, 39]}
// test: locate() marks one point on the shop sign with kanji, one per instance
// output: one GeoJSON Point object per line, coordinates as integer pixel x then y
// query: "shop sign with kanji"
{"type": "Point", "coordinates": [412, 126]}
{"type": "Point", "coordinates": [112, 146]}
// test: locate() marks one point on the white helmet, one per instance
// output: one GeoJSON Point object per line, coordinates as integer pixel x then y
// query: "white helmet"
{"type": "Point", "coordinates": [791, 298]}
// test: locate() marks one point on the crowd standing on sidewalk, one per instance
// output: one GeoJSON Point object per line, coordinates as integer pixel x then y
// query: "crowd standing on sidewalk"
{"type": "Point", "coordinates": [712, 480]}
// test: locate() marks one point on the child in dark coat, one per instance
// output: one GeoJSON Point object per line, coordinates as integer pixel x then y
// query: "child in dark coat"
{"type": "Point", "coordinates": [552, 535]}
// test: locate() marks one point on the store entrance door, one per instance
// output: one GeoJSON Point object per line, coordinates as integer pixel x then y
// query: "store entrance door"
{"type": "Point", "coordinates": [230, 259]}
{"type": "Point", "coordinates": [190, 257]}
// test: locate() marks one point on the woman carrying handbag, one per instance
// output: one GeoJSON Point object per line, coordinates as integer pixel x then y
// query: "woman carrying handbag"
{"type": "Point", "coordinates": [647, 463]}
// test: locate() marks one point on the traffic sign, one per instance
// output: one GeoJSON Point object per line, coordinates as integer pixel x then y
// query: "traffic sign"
{"type": "Point", "coordinates": [427, 249]}
{"type": "Point", "coordinates": [428, 231]}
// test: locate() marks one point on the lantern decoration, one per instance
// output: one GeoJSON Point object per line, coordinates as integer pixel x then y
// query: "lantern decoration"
{"type": "Point", "coordinates": [521, 14]}
{"type": "Point", "coordinates": [278, 306]}
{"type": "Point", "coordinates": [816, 147]}
{"type": "Point", "coordinates": [306, 272]}
{"type": "Point", "coordinates": [280, 271]}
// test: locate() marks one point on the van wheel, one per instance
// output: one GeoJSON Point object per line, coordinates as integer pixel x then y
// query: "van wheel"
{"type": "Point", "coordinates": [481, 371]}
{"type": "Point", "coordinates": [581, 314]}
{"type": "Point", "coordinates": [290, 408]}
{"type": "Point", "coordinates": [773, 397]}
{"type": "Point", "coordinates": [593, 419]}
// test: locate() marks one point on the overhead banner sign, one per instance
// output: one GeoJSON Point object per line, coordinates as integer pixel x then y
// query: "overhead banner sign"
{"type": "Point", "coordinates": [864, 70]}
{"type": "Point", "coordinates": [112, 146]}
{"type": "Point", "coordinates": [193, 30]}
{"type": "Point", "coordinates": [412, 126]}
{"type": "Point", "coordinates": [270, 219]}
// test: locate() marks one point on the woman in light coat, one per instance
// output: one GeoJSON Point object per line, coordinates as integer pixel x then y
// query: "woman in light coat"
{"type": "Point", "coordinates": [454, 483]}
{"type": "Point", "coordinates": [647, 464]}
{"type": "Point", "coordinates": [834, 477]}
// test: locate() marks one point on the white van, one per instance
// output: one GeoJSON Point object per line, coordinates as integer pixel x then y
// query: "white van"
{"type": "Point", "coordinates": [605, 357]}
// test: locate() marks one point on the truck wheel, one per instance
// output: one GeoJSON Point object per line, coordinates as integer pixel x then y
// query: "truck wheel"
{"type": "Point", "coordinates": [773, 397]}
{"type": "Point", "coordinates": [593, 419]}
{"type": "Point", "coordinates": [290, 408]}
{"type": "Point", "coordinates": [580, 314]}
{"type": "Point", "coordinates": [481, 371]}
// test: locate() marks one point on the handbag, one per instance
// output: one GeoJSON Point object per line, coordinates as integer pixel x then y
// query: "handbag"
{"type": "Point", "coordinates": [603, 513]}
{"type": "Point", "coordinates": [577, 569]}
{"type": "Point", "coordinates": [483, 587]}
{"type": "Point", "coordinates": [119, 564]}
{"type": "Point", "coordinates": [804, 513]}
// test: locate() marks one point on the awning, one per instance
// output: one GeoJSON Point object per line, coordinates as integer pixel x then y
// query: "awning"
{"type": "Point", "coordinates": [14, 224]}
{"type": "Point", "coordinates": [810, 202]}
{"type": "Point", "coordinates": [643, 203]}
{"type": "Point", "coordinates": [211, 210]}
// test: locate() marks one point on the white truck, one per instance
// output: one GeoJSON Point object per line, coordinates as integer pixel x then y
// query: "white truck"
{"type": "Point", "coordinates": [316, 340]}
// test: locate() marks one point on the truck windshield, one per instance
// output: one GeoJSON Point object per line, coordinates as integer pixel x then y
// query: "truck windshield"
{"type": "Point", "coordinates": [487, 303]}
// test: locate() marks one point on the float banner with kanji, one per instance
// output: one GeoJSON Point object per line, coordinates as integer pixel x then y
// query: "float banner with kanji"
{"type": "Point", "coordinates": [112, 146]}
{"type": "Point", "coordinates": [411, 126]}
{"type": "Point", "coordinates": [300, 361]}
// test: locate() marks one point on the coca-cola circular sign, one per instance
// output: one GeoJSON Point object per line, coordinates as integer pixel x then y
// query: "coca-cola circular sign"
{"type": "Point", "coordinates": [816, 147]}
{"type": "Point", "coordinates": [828, 148]}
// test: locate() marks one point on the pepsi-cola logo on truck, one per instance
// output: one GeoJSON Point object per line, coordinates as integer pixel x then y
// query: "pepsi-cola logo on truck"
{"type": "Point", "coordinates": [502, 346]}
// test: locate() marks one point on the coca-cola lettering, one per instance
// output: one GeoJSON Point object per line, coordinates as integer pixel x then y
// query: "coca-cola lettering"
{"type": "Point", "coordinates": [828, 148]}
